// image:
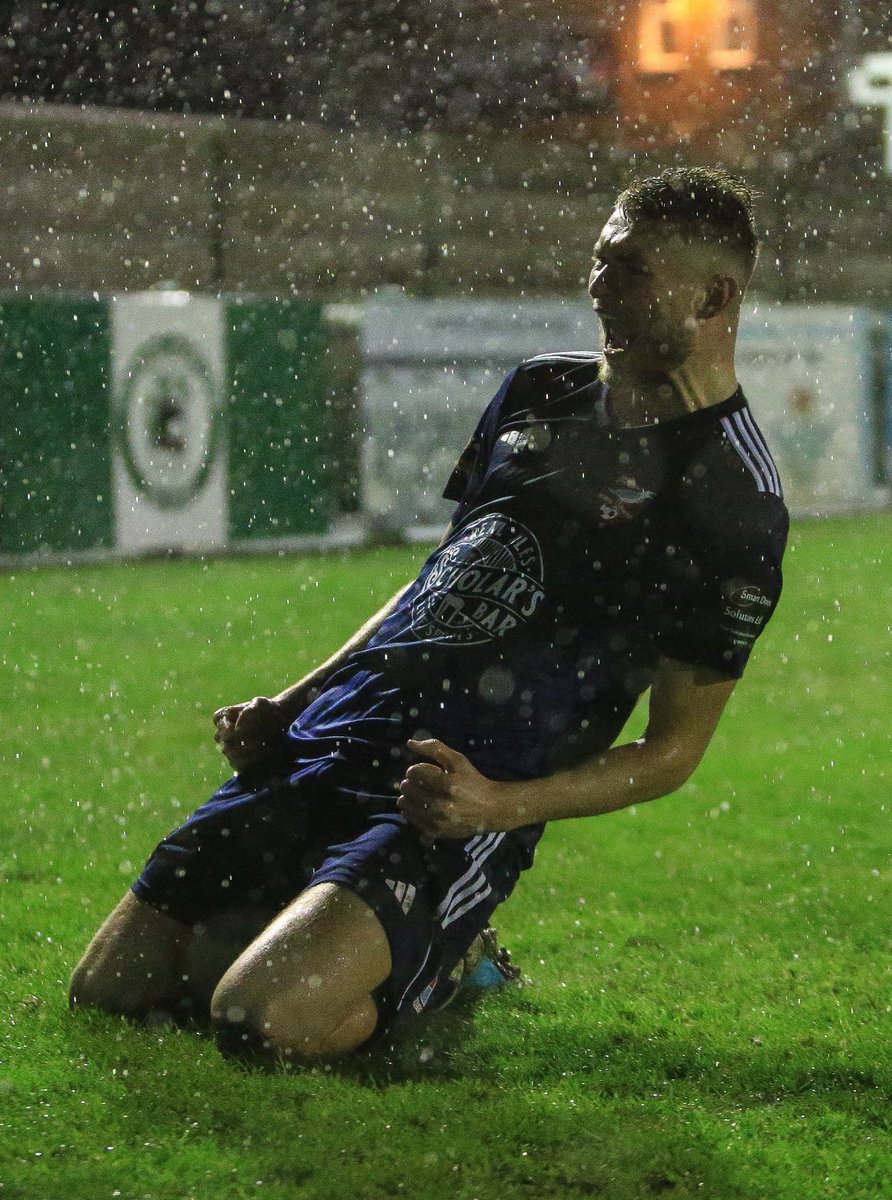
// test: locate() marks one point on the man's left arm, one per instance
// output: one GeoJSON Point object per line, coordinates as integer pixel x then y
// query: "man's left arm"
{"type": "Point", "coordinates": [445, 796]}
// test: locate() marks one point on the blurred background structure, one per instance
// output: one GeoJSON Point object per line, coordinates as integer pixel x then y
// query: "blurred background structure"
{"type": "Point", "coordinates": [321, 152]}
{"type": "Point", "coordinates": [328, 148]}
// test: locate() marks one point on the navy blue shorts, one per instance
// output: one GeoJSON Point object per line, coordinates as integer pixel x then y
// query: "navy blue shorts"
{"type": "Point", "coordinates": [432, 900]}
{"type": "Point", "coordinates": [258, 850]}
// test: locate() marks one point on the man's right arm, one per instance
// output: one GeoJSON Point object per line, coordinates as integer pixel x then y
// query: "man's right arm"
{"type": "Point", "coordinates": [295, 699]}
{"type": "Point", "coordinates": [249, 733]}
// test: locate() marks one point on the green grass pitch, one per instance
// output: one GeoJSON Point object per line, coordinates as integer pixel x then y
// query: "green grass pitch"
{"type": "Point", "coordinates": [711, 998]}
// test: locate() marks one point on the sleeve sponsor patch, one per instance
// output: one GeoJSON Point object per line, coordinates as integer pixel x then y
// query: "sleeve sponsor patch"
{"type": "Point", "coordinates": [745, 610]}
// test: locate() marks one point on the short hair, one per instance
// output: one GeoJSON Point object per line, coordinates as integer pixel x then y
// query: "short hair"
{"type": "Point", "coordinates": [706, 203]}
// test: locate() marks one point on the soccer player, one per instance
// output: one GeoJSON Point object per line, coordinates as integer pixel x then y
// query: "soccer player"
{"type": "Point", "coordinates": [618, 529]}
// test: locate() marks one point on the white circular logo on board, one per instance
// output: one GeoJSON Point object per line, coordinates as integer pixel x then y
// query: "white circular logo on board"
{"type": "Point", "coordinates": [168, 419]}
{"type": "Point", "coordinates": [484, 584]}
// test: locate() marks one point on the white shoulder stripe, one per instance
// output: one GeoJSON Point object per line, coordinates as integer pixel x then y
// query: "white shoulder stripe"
{"type": "Point", "coordinates": [745, 420]}
{"type": "Point", "coordinates": [478, 880]}
{"type": "Point", "coordinates": [735, 442]}
{"type": "Point", "coordinates": [755, 457]}
{"type": "Point", "coordinates": [474, 848]}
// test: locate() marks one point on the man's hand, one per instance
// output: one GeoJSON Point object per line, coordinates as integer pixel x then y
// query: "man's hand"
{"type": "Point", "coordinates": [445, 796]}
{"type": "Point", "coordinates": [251, 734]}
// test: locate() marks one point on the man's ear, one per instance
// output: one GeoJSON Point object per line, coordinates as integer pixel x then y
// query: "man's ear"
{"type": "Point", "coordinates": [718, 294]}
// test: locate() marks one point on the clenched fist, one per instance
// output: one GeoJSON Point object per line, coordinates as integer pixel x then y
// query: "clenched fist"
{"type": "Point", "coordinates": [251, 735]}
{"type": "Point", "coordinates": [445, 796]}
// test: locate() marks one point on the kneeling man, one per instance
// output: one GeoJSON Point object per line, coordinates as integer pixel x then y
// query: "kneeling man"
{"type": "Point", "coordinates": [619, 528]}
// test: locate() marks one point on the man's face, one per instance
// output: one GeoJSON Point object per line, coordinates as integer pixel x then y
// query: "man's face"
{"type": "Point", "coordinates": [645, 284]}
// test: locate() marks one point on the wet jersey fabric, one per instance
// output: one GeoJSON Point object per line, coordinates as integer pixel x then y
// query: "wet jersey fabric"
{"type": "Point", "coordinates": [579, 553]}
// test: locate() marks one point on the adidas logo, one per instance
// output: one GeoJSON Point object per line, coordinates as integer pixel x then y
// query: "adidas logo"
{"type": "Point", "coordinates": [404, 892]}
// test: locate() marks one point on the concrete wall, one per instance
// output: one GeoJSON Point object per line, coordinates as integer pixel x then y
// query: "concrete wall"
{"type": "Point", "coordinates": [105, 200]}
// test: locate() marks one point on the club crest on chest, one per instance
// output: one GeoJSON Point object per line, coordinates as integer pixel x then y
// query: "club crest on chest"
{"type": "Point", "coordinates": [622, 499]}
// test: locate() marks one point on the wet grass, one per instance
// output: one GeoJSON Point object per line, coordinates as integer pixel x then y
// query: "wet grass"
{"type": "Point", "coordinates": [710, 1007]}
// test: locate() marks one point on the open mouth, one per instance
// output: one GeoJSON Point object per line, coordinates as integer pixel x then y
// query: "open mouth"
{"type": "Point", "coordinates": [617, 337]}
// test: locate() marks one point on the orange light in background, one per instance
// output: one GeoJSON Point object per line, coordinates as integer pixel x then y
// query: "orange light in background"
{"type": "Point", "coordinates": [673, 34]}
{"type": "Point", "coordinates": [662, 40]}
{"type": "Point", "coordinates": [733, 42]}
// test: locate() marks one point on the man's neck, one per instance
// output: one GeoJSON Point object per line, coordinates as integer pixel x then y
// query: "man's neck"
{"type": "Point", "coordinates": [648, 400]}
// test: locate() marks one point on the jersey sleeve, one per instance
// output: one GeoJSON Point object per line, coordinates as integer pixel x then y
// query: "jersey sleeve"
{"type": "Point", "coordinates": [735, 586]}
{"type": "Point", "coordinates": [471, 466]}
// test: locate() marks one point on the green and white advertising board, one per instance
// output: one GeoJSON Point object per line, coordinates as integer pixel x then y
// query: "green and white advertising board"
{"type": "Point", "coordinates": [169, 444]}
{"type": "Point", "coordinates": [160, 421]}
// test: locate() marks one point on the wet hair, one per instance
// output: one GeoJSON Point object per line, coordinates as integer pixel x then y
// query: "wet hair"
{"type": "Point", "coordinates": [704, 203]}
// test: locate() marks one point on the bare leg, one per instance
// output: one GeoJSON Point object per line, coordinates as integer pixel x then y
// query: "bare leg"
{"type": "Point", "coordinates": [214, 947]}
{"type": "Point", "coordinates": [142, 961]}
{"type": "Point", "coordinates": [134, 963]}
{"type": "Point", "coordinates": [304, 986]}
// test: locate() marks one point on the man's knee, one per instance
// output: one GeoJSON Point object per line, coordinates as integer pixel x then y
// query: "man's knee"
{"type": "Point", "coordinates": [97, 982]}
{"type": "Point", "coordinates": [130, 967]}
{"type": "Point", "coordinates": [247, 1026]}
{"type": "Point", "coordinates": [304, 986]}
{"type": "Point", "coordinates": [242, 1022]}
{"type": "Point", "coordinates": [87, 987]}
{"type": "Point", "coordinates": [254, 1017]}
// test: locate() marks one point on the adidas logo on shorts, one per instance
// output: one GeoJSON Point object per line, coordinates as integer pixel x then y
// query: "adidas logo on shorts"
{"type": "Point", "coordinates": [404, 892]}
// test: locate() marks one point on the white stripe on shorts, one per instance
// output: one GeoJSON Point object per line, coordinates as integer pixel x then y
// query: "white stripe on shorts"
{"type": "Point", "coordinates": [475, 847]}
{"type": "Point", "coordinates": [455, 913]}
{"type": "Point", "coordinates": [448, 907]}
{"type": "Point", "coordinates": [414, 978]}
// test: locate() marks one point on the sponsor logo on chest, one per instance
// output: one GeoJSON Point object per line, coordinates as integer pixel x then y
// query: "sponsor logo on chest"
{"type": "Point", "coordinates": [485, 583]}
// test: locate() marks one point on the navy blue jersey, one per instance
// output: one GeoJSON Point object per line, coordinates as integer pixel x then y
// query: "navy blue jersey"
{"type": "Point", "coordinates": [580, 552]}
